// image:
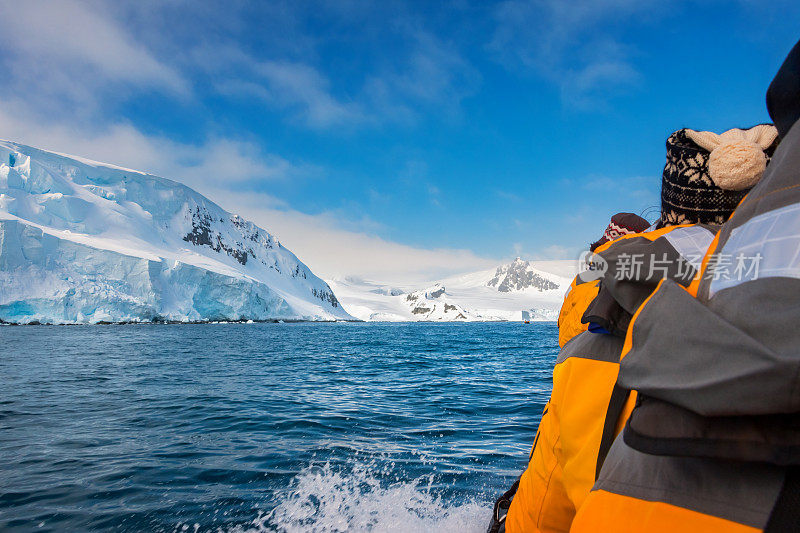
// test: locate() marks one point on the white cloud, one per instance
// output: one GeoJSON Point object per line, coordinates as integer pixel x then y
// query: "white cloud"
{"type": "Point", "coordinates": [215, 163]}
{"type": "Point", "coordinates": [548, 253]}
{"type": "Point", "coordinates": [333, 252]}
{"type": "Point", "coordinates": [508, 196]}
{"type": "Point", "coordinates": [70, 50]}
{"type": "Point", "coordinates": [296, 86]}
{"type": "Point", "coordinates": [330, 245]}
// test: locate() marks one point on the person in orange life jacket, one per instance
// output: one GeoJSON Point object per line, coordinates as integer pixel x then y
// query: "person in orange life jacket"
{"type": "Point", "coordinates": [579, 295]}
{"type": "Point", "coordinates": [583, 414]}
{"type": "Point", "coordinates": [581, 292]}
{"type": "Point", "coordinates": [713, 442]}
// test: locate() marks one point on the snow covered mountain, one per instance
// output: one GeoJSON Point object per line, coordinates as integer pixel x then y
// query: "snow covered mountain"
{"type": "Point", "coordinates": [85, 242]}
{"type": "Point", "coordinates": [537, 287]}
{"type": "Point", "coordinates": [434, 303]}
{"type": "Point", "coordinates": [520, 275]}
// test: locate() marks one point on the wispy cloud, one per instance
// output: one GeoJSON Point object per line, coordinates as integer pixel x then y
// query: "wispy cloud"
{"type": "Point", "coordinates": [295, 86]}
{"type": "Point", "coordinates": [65, 54]}
{"type": "Point", "coordinates": [557, 252]}
{"type": "Point", "coordinates": [84, 55]}
{"type": "Point", "coordinates": [295, 83]}
{"type": "Point", "coordinates": [214, 164]}
{"type": "Point", "coordinates": [429, 76]}
{"type": "Point", "coordinates": [640, 187]}
{"type": "Point", "coordinates": [576, 45]}
{"type": "Point", "coordinates": [435, 74]}
{"type": "Point", "coordinates": [508, 196]}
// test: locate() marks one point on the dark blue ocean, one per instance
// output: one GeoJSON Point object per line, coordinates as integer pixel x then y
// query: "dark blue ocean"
{"type": "Point", "coordinates": [266, 427]}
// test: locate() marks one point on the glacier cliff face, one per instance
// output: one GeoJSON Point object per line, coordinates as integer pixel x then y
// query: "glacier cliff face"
{"type": "Point", "coordinates": [84, 242]}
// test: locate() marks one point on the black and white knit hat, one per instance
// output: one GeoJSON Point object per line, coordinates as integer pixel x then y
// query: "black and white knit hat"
{"type": "Point", "coordinates": [708, 174]}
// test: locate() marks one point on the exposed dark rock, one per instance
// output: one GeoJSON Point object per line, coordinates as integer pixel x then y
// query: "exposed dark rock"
{"type": "Point", "coordinates": [202, 235]}
{"type": "Point", "coordinates": [436, 293]}
{"type": "Point", "coordinates": [516, 276]}
{"type": "Point", "coordinates": [326, 296]}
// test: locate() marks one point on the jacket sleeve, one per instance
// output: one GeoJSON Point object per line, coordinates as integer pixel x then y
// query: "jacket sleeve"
{"type": "Point", "coordinates": [541, 503]}
{"type": "Point", "coordinates": [576, 301]}
{"type": "Point", "coordinates": [708, 358]}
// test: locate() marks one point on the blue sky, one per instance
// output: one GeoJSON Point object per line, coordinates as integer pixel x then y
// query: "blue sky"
{"type": "Point", "coordinates": [390, 139]}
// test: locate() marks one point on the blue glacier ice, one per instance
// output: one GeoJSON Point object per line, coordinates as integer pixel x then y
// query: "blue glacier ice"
{"type": "Point", "coordinates": [86, 242]}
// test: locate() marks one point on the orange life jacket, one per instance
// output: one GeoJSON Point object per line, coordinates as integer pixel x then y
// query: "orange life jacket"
{"type": "Point", "coordinates": [585, 410]}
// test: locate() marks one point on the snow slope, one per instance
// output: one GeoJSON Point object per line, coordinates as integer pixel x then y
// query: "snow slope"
{"type": "Point", "coordinates": [84, 242]}
{"type": "Point", "coordinates": [489, 295]}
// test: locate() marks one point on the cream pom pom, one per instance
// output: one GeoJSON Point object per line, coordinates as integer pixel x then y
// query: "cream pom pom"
{"type": "Point", "coordinates": [737, 159]}
{"type": "Point", "coordinates": [736, 165]}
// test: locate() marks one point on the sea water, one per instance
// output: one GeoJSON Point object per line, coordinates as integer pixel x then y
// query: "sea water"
{"type": "Point", "coordinates": [266, 427]}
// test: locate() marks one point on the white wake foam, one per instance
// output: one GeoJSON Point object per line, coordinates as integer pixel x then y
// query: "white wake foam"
{"type": "Point", "coordinates": [322, 499]}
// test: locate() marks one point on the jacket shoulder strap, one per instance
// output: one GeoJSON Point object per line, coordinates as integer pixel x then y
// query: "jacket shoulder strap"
{"type": "Point", "coordinates": [619, 396]}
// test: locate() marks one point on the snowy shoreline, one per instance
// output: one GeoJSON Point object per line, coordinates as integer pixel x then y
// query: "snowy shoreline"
{"type": "Point", "coordinates": [168, 322]}
{"type": "Point", "coordinates": [271, 321]}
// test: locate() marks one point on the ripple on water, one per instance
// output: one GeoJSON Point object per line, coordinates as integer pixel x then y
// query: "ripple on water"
{"type": "Point", "coordinates": [265, 427]}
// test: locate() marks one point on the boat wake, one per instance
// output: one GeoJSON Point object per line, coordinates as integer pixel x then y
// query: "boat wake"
{"type": "Point", "coordinates": [367, 497]}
